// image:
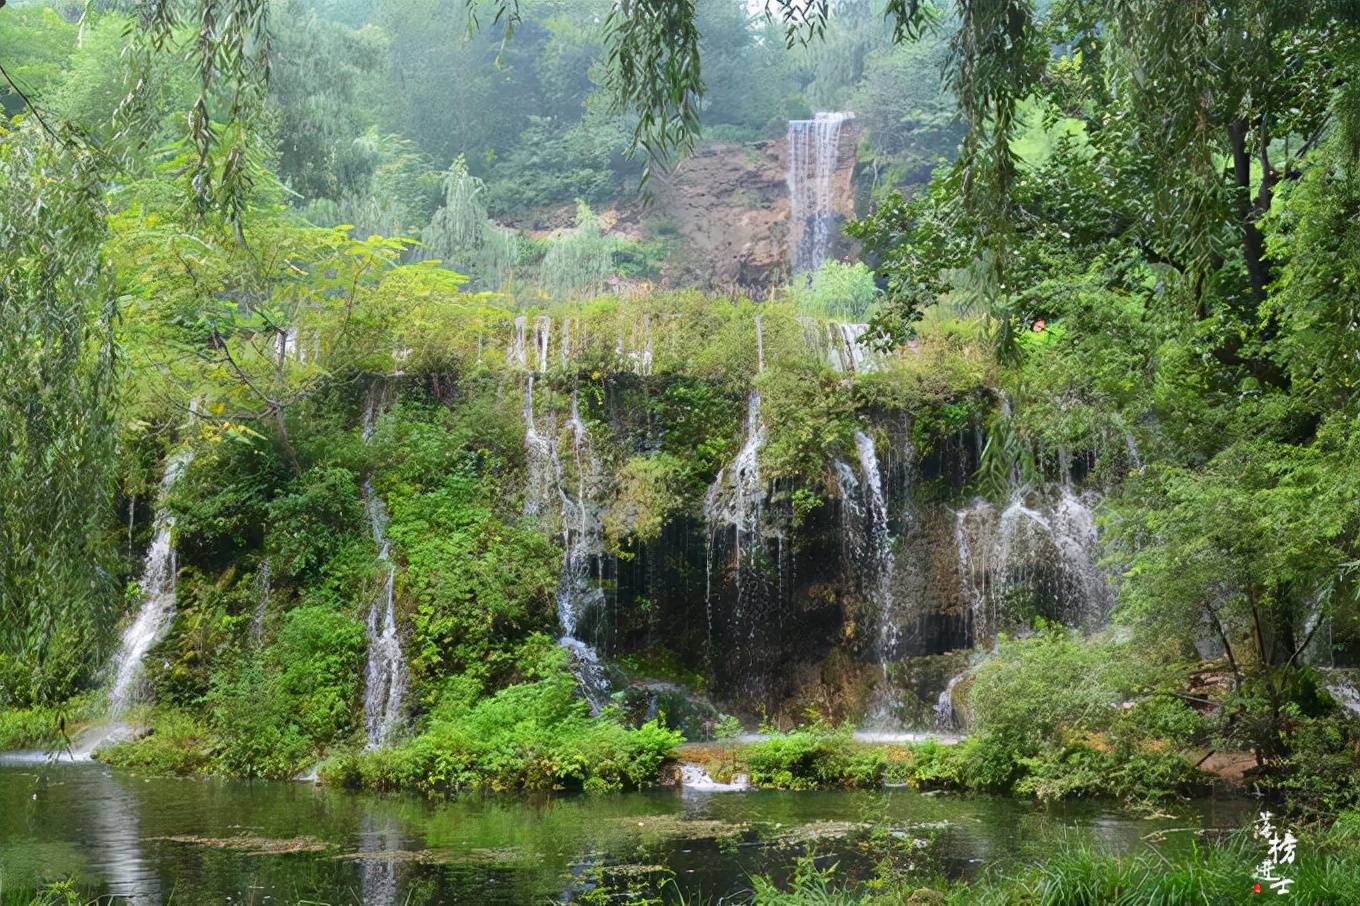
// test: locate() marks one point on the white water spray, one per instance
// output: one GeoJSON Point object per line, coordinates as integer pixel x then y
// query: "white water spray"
{"type": "Point", "coordinates": [385, 682]}
{"type": "Point", "coordinates": [158, 604]}
{"type": "Point", "coordinates": [1043, 544]}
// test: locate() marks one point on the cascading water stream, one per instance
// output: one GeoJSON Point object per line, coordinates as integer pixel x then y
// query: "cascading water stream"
{"type": "Point", "coordinates": [736, 500]}
{"type": "Point", "coordinates": [1044, 544]}
{"type": "Point", "coordinates": [878, 563]}
{"type": "Point", "coordinates": [153, 619]}
{"type": "Point", "coordinates": [158, 605]}
{"type": "Point", "coordinates": [946, 718]}
{"type": "Point", "coordinates": [516, 354]}
{"type": "Point", "coordinates": [264, 586]}
{"type": "Point", "coordinates": [814, 151]}
{"type": "Point", "coordinates": [880, 552]}
{"type": "Point", "coordinates": [385, 676]}
{"type": "Point", "coordinates": [542, 337]}
{"type": "Point", "coordinates": [583, 546]}
{"type": "Point", "coordinates": [385, 681]}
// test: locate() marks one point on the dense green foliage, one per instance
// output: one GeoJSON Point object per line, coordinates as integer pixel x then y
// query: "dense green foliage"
{"type": "Point", "coordinates": [57, 417]}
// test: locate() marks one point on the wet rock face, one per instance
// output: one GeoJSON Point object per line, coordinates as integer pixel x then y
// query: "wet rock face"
{"type": "Point", "coordinates": [729, 206]}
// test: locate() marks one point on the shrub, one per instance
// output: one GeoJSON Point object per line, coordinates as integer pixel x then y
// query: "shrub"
{"type": "Point", "coordinates": [814, 757]}
{"type": "Point", "coordinates": [320, 511]}
{"type": "Point", "coordinates": [40, 726]}
{"type": "Point", "coordinates": [1038, 688]}
{"type": "Point", "coordinates": [320, 659]}
{"type": "Point", "coordinates": [989, 762]}
{"type": "Point", "coordinates": [535, 735]}
{"type": "Point", "coordinates": [1160, 718]}
{"type": "Point", "coordinates": [1320, 777]}
{"type": "Point", "coordinates": [256, 724]}
{"type": "Point", "coordinates": [178, 744]}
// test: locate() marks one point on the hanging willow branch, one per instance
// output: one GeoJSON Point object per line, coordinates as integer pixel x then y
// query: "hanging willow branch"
{"type": "Point", "coordinates": [230, 51]}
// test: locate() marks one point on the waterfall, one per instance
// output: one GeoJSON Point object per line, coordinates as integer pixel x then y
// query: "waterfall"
{"type": "Point", "coordinates": [516, 355]}
{"type": "Point", "coordinates": [735, 500]}
{"type": "Point", "coordinates": [385, 676]}
{"type": "Point", "coordinates": [737, 494]}
{"type": "Point", "coordinates": [564, 345]}
{"type": "Point", "coordinates": [583, 547]}
{"type": "Point", "coordinates": [878, 567]}
{"type": "Point", "coordinates": [1042, 544]}
{"type": "Point", "coordinates": [1341, 686]}
{"type": "Point", "coordinates": [264, 587]}
{"type": "Point", "coordinates": [158, 602]}
{"type": "Point", "coordinates": [760, 346]}
{"type": "Point", "coordinates": [814, 151]}
{"type": "Point", "coordinates": [946, 718]}
{"type": "Point", "coordinates": [840, 344]}
{"type": "Point", "coordinates": [880, 552]}
{"type": "Point", "coordinates": [385, 683]}
{"type": "Point", "coordinates": [847, 346]}
{"type": "Point", "coordinates": [644, 360]}
{"type": "Point", "coordinates": [582, 534]}
{"type": "Point", "coordinates": [853, 540]}
{"type": "Point", "coordinates": [542, 466]}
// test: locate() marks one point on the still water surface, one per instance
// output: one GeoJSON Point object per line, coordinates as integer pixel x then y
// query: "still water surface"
{"type": "Point", "coordinates": [151, 841]}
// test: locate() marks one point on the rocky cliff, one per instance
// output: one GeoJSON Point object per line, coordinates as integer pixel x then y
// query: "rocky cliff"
{"type": "Point", "coordinates": [727, 210]}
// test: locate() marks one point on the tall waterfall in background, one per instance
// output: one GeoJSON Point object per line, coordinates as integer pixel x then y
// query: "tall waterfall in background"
{"type": "Point", "coordinates": [814, 149]}
{"type": "Point", "coordinates": [385, 682]}
{"type": "Point", "coordinates": [158, 606]}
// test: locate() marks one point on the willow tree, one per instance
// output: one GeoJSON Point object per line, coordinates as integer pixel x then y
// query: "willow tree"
{"type": "Point", "coordinates": [462, 235]}
{"type": "Point", "coordinates": [579, 262]}
{"type": "Point", "coordinates": [57, 427]}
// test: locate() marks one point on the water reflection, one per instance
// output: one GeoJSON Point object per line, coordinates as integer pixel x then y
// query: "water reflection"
{"type": "Point", "coordinates": [59, 821]}
{"type": "Point", "coordinates": [378, 875]}
{"type": "Point", "coordinates": [115, 840]}
{"type": "Point", "coordinates": [193, 841]}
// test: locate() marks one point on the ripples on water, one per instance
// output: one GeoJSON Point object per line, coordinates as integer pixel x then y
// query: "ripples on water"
{"type": "Point", "coordinates": [152, 841]}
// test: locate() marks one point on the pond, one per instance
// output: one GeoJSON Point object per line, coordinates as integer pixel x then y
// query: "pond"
{"type": "Point", "coordinates": [163, 840]}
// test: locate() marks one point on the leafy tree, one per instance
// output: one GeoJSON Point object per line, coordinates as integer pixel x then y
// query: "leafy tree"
{"type": "Point", "coordinates": [461, 234]}
{"type": "Point", "coordinates": [251, 322]}
{"type": "Point", "coordinates": [57, 409]}
{"type": "Point", "coordinates": [579, 262]}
